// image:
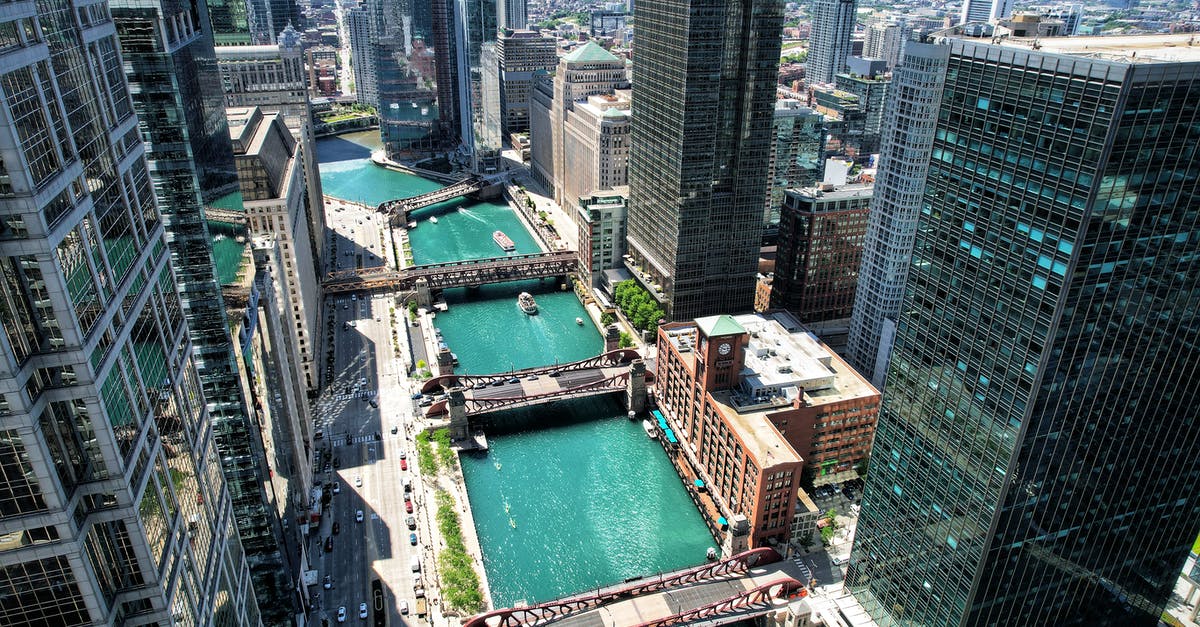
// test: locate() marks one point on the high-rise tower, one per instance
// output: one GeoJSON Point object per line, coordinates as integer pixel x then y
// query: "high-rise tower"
{"type": "Point", "coordinates": [985, 10]}
{"type": "Point", "coordinates": [1038, 451]}
{"type": "Point", "coordinates": [909, 118]}
{"type": "Point", "coordinates": [829, 43]}
{"type": "Point", "coordinates": [704, 97]}
{"type": "Point", "coordinates": [177, 94]}
{"type": "Point", "coordinates": [113, 506]}
{"type": "Point", "coordinates": [474, 25]}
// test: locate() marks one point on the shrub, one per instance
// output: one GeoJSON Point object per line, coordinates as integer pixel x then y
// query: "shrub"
{"type": "Point", "coordinates": [639, 307]}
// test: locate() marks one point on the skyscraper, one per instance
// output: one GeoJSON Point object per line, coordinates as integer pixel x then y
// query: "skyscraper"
{"type": "Point", "coordinates": [985, 10]}
{"type": "Point", "coordinates": [177, 94]}
{"type": "Point", "coordinates": [475, 25]}
{"type": "Point", "coordinates": [829, 44]}
{"type": "Point", "coordinates": [1036, 456]}
{"type": "Point", "coordinates": [521, 53]}
{"type": "Point", "coordinates": [909, 118]}
{"type": "Point", "coordinates": [513, 14]}
{"type": "Point", "coordinates": [111, 490]}
{"type": "Point", "coordinates": [797, 153]}
{"type": "Point", "coordinates": [704, 97]}
{"type": "Point", "coordinates": [358, 23]}
{"type": "Point", "coordinates": [886, 40]}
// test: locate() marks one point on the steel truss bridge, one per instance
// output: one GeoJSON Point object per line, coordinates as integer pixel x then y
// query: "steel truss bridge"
{"type": "Point", "coordinates": [756, 599]}
{"type": "Point", "coordinates": [404, 206]}
{"type": "Point", "coordinates": [466, 273]}
{"type": "Point", "coordinates": [228, 216]}
{"type": "Point", "coordinates": [602, 374]}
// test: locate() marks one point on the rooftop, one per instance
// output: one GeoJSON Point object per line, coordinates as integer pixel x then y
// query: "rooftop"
{"type": "Point", "coordinates": [762, 440]}
{"type": "Point", "coordinates": [591, 52]}
{"type": "Point", "coordinates": [719, 325]}
{"type": "Point", "coordinates": [830, 193]}
{"type": "Point", "coordinates": [1158, 48]}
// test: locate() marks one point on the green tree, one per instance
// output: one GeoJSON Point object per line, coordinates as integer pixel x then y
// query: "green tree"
{"type": "Point", "coordinates": [626, 340]}
{"type": "Point", "coordinates": [607, 318]}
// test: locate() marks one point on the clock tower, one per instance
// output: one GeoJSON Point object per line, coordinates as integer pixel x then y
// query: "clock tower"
{"type": "Point", "coordinates": [721, 340]}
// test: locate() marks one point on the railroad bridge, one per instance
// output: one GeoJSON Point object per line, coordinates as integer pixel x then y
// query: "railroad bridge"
{"type": "Point", "coordinates": [228, 216]}
{"type": "Point", "coordinates": [733, 589]}
{"type": "Point", "coordinates": [428, 278]}
{"type": "Point", "coordinates": [472, 396]}
{"type": "Point", "coordinates": [402, 208]}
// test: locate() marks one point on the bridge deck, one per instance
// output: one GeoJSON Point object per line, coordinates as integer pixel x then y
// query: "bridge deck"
{"type": "Point", "coordinates": [483, 396]}
{"type": "Point", "coordinates": [651, 607]}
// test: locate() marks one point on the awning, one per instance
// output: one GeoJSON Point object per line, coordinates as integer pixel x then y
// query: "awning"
{"type": "Point", "coordinates": [699, 483]}
{"type": "Point", "coordinates": [721, 521]}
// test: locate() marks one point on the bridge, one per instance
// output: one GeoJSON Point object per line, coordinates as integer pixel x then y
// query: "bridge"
{"type": "Point", "coordinates": [733, 589]}
{"type": "Point", "coordinates": [228, 216]}
{"type": "Point", "coordinates": [402, 207]}
{"type": "Point", "coordinates": [465, 273]}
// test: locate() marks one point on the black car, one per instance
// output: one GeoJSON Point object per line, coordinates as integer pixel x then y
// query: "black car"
{"type": "Point", "coordinates": [336, 528]}
{"type": "Point", "coordinates": [337, 463]}
{"type": "Point", "coordinates": [372, 403]}
{"type": "Point", "coordinates": [349, 440]}
{"type": "Point", "coordinates": [329, 544]}
{"type": "Point", "coordinates": [555, 374]}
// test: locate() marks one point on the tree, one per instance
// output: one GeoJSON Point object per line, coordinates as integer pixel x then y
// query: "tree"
{"type": "Point", "coordinates": [626, 340]}
{"type": "Point", "coordinates": [607, 318]}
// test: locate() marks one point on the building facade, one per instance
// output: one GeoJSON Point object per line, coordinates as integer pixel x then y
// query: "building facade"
{"type": "Point", "coordinates": [521, 53]}
{"type": "Point", "coordinates": [829, 43]}
{"type": "Point", "coordinates": [474, 25]}
{"type": "Point", "coordinates": [191, 163]}
{"type": "Point", "coordinates": [910, 117]}
{"type": "Point", "coordinates": [701, 146]}
{"type": "Point", "coordinates": [114, 507]}
{"type": "Point", "coordinates": [886, 40]}
{"type": "Point", "coordinates": [595, 147]}
{"type": "Point", "coordinates": [797, 153]}
{"type": "Point", "coordinates": [761, 390]}
{"type": "Point", "coordinates": [821, 236]}
{"type": "Point", "coordinates": [514, 14]}
{"type": "Point", "coordinates": [867, 79]}
{"type": "Point", "coordinates": [1035, 458]}
{"type": "Point", "coordinates": [358, 23]}
{"type": "Point", "coordinates": [985, 11]}
{"type": "Point", "coordinates": [601, 223]}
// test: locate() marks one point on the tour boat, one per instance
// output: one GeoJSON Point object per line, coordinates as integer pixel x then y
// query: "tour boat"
{"type": "Point", "coordinates": [526, 303]}
{"type": "Point", "coordinates": [433, 219]}
{"type": "Point", "coordinates": [579, 321]}
{"type": "Point", "coordinates": [712, 553]}
{"type": "Point", "coordinates": [503, 241]}
{"type": "Point", "coordinates": [649, 427]}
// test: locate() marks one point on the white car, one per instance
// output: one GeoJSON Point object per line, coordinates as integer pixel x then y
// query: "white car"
{"type": "Point", "coordinates": [337, 487]}
{"type": "Point", "coordinates": [358, 516]}
{"type": "Point", "coordinates": [403, 606]}
{"type": "Point", "coordinates": [358, 482]}
{"type": "Point", "coordinates": [342, 614]}
{"type": "Point", "coordinates": [362, 610]}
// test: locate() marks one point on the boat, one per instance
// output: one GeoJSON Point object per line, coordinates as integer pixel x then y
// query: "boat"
{"type": "Point", "coordinates": [414, 105]}
{"type": "Point", "coordinates": [649, 427]}
{"type": "Point", "coordinates": [526, 303]}
{"type": "Point", "coordinates": [412, 225]}
{"type": "Point", "coordinates": [632, 415]}
{"type": "Point", "coordinates": [579, 321]}
{"type": "Point", "coordinates": [395, 105]}
{"type": "Point", "coordinates": [712, 553]}
{"type": "Point", "coordinates": [424, 110]}
{"type": "Point", "coordinates": [433, 219]}
{"type": "Point", "coordinates": [503, 241]}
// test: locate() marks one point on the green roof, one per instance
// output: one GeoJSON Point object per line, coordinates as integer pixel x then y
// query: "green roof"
{"type": "Point", "coordinates": [590, 52]}
{"type": "Point", "coordinates": [713, 326]}
{"type": "Point", "coordinates": [614, 112]}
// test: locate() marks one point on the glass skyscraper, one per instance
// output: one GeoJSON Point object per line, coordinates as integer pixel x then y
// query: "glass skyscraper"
{"type": "Point", "coordinates": [1037, 459]}
{"type": "Point", "coordinates": [177, 94]}
{"type": "Point", "coordinates": [112, 501]}
{"type": "Point", "coordinates": [704, 102]}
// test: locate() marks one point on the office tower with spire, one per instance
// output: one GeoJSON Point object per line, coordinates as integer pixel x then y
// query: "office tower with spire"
{"type": "Point", "coordinates": [1038, 450]}
{"type": "Point", "coordinates": [112, 501]}
{"type": "Point", "coordinates": [176, 91]}
{"type": "Point", "coordinates": [700, 146]}
{"type": "Point", "coordinates": [909, 118]}
{"type": "Point", "coordinates": [829, 44]}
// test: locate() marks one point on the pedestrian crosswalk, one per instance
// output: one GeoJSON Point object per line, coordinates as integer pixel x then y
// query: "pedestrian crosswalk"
{"type": "Point", "coordinates": [354, 395]}
{"type": "Point", "coordinates": [804, 570]}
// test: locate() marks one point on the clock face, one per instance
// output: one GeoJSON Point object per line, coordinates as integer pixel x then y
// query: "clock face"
{"type": "Point", "coordinates": [724, 349]}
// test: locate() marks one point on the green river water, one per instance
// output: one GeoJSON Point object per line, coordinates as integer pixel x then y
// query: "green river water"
{"type": "Point", "coordinates": [570, 495]}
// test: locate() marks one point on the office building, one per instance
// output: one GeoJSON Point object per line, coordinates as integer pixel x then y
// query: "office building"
{"type": "Point", "coordinates": [491, 132]}
{"type": "Point", "coordinates": [821, 234]}
{"type": "Point", "coordinates": [829, 43]}
{"type": "Point", "coordinates": [601, 223]}
{"type": "Point", "coordinates": [521, 53]}
{"type": "Point", "coordinates": [797, 153]}
{"type": "Point", "coordinates": [1070, 14]}
{"type": "Point", "coordinates": [177, 93]}
{"type": "Point", "coordinates": [446, 70]}
{"type": "Point", "coordinates": [909, 117]}
{"type": "Point", "coordinates": [474, 26]}
{"type": "Point", "coordinates": [358, 23]}
{"type": "Point", "coordinates": [269, 161]}
{"type": "Point", "coordinates": [272, 78]}
{"type": "Point", "coordinates": [113, 508]}
{"type": "Point", "coordinates": [700, 149]}
{"type": "Point", "coordinates": [595, 146]}
{"type": "Point", "coordinates": [252, 22]}
{"type": "Point", "coordinates": [867, 79]}
{"type": "Point", "coordinates": [989, 11]}
{"type": "Point", "coordinates": [885, 40]}
{"type": "Point", "coordinates": [754, 399]}
{"type": "Point", "coordinates": [513, 14]}
{"type": "Point", "coordinates": [1035, 458]}
{"type": "Point", "coordinates": [588, 70]}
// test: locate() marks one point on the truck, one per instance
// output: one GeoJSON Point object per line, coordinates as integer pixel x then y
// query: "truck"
{"type": "Point", "coordinates": [422, 604]}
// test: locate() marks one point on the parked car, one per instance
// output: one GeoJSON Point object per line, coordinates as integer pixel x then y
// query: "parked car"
{"type": "Point", "coordinates": [329, 544]}
{"type": "Point", "coordinates": [337, 487]}
{"type": "Point", "coordinates": [403, 464]}
{"type": "Point", "coordinates": [408, 506]}
{"type": "Point", "coordinates": [411, 522]}
{"type": "Point", "coordinates": [412, 539]}
{"type": "Point", "coordinates": [404, 606]}
{"type": "Point", "coordinates": [358, 515]}
{"type": "Point", "coordinates": [327, 582]}
{"type": "Point", "coordinates": [342, 614]}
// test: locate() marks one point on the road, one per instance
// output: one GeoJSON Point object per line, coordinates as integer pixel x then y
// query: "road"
{"type": "Point", "coordinates": [358, 440]}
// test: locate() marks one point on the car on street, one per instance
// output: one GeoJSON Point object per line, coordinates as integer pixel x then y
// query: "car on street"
{"type": "Point", "coordinates": [395, 429]}
{"type": "Point", "coordinates": [362, 610]}
{"type": "Point", "coordinates": [358, 516]}
{"type": "Point", "coordinates": [498, 383]}
{"type": "Point", "coordinates": [408, 496]}
{"type": "Point", "coordinates": [372, 403]}
{"type": "Point", "coordinates": [404, 606]}
{"type": "Point", "coordinates": [408, 506]}
{"type": "Point", "coordinates": [411, 522]}
{"type": "Point", "coordinates": [349, 440]}
{"type": "Point", "coordinates": [362, 381]}
{"type": "Point", "coordinates": [412, 539]}
{"type": "Point", "coordinates": [342, 614]}
{"type": "Point", "coordinates": [337, 487]}
{"type": "Point", "coordinates": [358, 482]}
{"type": "Point", "coordinates": [327, 582]}
{"type": "Point", "coordinates": [354, 297]}
{"type": "Point", "coordinates": [403, 464]}
{"type": "Point", "coordinates": [514, 380]}
{"type": "Point", "coordinates": [337, 463]}
{"type": "Point", "coordinates": [329, 544]}
{"type": "Point", "coordinates": [426, 402]}
{"type": "Point", "coordinates": [416, 396]}
{"type": "Point", "coordinates": [336, 528]}
{"type": "Point", "coordinates": [555, 374]}
{"type": "Point", "coordinates": [403, 455]}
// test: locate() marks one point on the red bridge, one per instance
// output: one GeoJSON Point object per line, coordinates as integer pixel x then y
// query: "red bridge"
{"type": "Point", "coordinates": [466, 273]}
{"type": "Point", "coordinates": [609, 372]}
{"type": "Point", "coordinates": [732, 589]}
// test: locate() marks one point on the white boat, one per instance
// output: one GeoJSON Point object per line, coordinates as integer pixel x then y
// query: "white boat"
{"type": "Point", "coordinates": [414, 105]}
{"type": "Point", "coordinates": [503, 241]}
{"type": "Point", "coordinates": [412, 225]}
{"type": "Point", "coordinates": [579, 321]}
{"type": "Point", "coordinates": [424, 110]}
{"type": "Point", "coordinates": [712, 553]}
{"type": "Point", "coordinates": [527, 304]}
{"type": "Point", "coordinates": [433, 219]}
{"type": "Point", "coordinates": [395, 105]}
{"type": "Point", "coordinates": [649, 427]}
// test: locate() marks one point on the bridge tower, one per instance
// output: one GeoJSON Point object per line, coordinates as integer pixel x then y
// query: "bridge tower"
{"type": "Point", "coordinates": [460, 426]}
{"type": "Point", "coordinates": [445, 362]}
{"type": "Point", "coordinates": [612, 338]}
{"type": "Point", "coordinates": [424, 294]}
{"type": "Point", "coordinates": [635, 391]}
